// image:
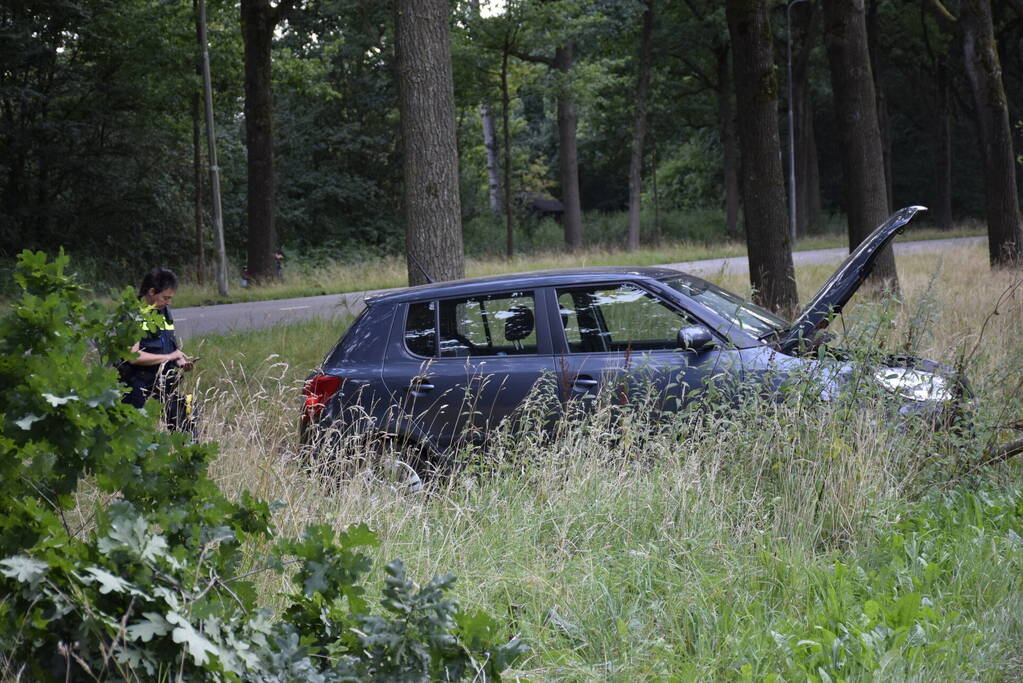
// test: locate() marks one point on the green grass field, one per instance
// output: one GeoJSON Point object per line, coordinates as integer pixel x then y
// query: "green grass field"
{"type": "Point", "coordinates": [801, 541]}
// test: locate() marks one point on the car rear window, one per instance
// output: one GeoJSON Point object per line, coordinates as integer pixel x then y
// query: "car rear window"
{"type": "Point", "coordinates": [489, 325]}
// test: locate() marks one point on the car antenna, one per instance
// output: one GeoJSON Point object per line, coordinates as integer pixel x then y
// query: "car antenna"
{"type": "Point", "coordinates": [420, 267]}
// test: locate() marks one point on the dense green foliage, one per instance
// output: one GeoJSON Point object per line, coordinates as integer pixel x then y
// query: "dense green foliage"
{"type": "Point", "coordinates": [866, 615]}
{"type": "Point", "coordinates": [99, 99]}
{"type": "Point", "coordinates": [121, 557]}
{"type": "Point", "coordinates": [96, 140]}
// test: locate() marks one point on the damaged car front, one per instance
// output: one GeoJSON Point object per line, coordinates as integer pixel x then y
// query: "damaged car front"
{"type": "Point", "coordinates": [917, 387]}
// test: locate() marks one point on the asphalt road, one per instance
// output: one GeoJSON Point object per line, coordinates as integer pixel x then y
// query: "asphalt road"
{"type": "Point", "coordinates": [226, 318]}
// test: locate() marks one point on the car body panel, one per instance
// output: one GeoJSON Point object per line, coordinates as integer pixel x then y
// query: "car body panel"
{"type": "Point", "coordinates": [655, 365]}
{"type": "Point", "coordinates": [446, 396]}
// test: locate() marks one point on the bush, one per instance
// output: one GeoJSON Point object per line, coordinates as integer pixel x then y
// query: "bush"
{"type": "Point", "coordinates": [690, 178]}
{"type": "Point", "coordinates": [159, 583]}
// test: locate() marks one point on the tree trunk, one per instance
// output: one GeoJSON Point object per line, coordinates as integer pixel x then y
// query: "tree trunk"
{"type": "Point", "coordinates": [211, 145]}
{"type": "Point", "coordinates": [943, 151]}
{"type": "Point", "coordinates": [657, 202]}
{"type": "Point", "coordinates": [493, 166]}
{"type": "Point", "coordinates": [809, 215]}
{"type": "Point", "coordinates": [980, 53]}
{"type": "Point", "coordinates": [426, 103]}
{"type": "Point", "coordinates": [866, 193]}
{"type": "Point", "coordinates": [871, 20]}
{"type": "Point", "coordinates": [490, 145]}
{"type": "Point", "coordinates": [258, 22]}
{"type": "Point", "coordinates": [729, 143]}
{"type": "Point", "coordinates": [639, 126]}
{"type": "Point", "coordinates": [809, 212]}
{"type": "Point", "coordinates": [884, 124]}
{"type": "Point", "coordinates": [568, 154]}
{"type": "Point", "coordinates": [509, 225]}
{"type": "Point", "coordinates": [763, 190]}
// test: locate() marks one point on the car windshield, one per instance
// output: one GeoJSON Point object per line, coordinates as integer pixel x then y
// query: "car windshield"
{"type": "Point", "coordinates": [749, 317]}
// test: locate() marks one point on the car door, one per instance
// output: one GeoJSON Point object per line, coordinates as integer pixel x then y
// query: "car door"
{"type": "Point", "coordinates": [624, 338]}
{"type": "Point", "coordinates": [467, 363]}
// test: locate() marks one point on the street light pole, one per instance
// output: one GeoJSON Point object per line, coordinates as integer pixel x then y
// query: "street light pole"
{"type": "Point", "coordinates": [792, 124]}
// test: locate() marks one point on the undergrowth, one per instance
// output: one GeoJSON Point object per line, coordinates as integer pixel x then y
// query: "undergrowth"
{"type": "Point", "coordinates": [122, 559]}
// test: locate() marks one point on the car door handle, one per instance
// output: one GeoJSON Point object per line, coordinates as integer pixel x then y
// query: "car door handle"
{"type": "Point", "coordinates": [419, 384]}
{"type": "Point", "coordinates": [585, 383]}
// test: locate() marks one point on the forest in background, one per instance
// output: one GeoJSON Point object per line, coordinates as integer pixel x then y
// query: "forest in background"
{"type": "Point", "coordinates": [101, 146]}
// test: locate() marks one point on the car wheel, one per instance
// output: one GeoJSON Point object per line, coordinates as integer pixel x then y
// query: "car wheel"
{"type": "Point", "coordinates": [415, 458]}
{"type": "Point", "coordinates": [337, 455]}
{"type": "Point", "coordinates": [399, 475]}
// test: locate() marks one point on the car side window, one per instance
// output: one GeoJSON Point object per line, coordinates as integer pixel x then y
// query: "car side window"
{"type": "Point", "coordinates": [618, 317]}
{"type": "Point", "coordinates": [492, 325]}
{"type": "Point", "coordinates": [420, 329]}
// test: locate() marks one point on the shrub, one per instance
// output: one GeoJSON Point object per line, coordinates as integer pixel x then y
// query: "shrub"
{"type": "Point", "coordinates": [158, 582]}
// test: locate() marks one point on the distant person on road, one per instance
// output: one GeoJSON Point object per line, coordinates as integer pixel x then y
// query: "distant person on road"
{"type": "Point", "coordinates": [153, 373]}
{"type": "Point", "coordinates": [279, 263]}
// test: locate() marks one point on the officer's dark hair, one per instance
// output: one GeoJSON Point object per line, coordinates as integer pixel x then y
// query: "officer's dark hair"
{"type": "Point", "coordinates": [158, 279]}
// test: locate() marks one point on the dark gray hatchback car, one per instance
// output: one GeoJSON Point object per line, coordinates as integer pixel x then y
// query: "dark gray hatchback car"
{"type": "Point", "coordinates": [430, 364]}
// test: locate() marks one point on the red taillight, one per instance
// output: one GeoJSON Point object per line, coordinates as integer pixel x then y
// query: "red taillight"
{"type": "Point", "coordinates": [317, 391]}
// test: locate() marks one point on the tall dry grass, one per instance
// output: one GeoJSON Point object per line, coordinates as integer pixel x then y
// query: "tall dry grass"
{"type": "Point", "coordinates": [627, 548]}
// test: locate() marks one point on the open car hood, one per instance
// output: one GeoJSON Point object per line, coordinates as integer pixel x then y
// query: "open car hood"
{"type": "Point", "coordinates": [841, 286]}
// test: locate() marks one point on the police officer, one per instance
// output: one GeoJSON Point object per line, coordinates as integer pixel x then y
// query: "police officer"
{"type": "Point", "coordinates": [146, 375]}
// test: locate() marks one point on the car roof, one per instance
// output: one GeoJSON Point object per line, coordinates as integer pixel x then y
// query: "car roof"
{"type": "Point", "coordinates": [526, 280]}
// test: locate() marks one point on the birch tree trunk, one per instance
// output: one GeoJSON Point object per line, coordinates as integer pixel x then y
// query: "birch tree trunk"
{"type": "Point", "coordinates": [509, 223]}
{"type": "Point", "coordinates": [493, 165]}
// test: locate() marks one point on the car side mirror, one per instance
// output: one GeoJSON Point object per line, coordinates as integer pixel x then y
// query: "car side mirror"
{"type": "Point", "coordinates": [695, 338]}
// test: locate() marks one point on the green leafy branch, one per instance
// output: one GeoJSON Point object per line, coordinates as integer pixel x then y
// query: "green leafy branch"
{"type": "Point", "coordinates": [160, 585]}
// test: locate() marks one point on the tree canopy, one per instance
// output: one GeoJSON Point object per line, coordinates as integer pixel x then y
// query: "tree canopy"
{"type": "Point", "coordinates": [96, 148]}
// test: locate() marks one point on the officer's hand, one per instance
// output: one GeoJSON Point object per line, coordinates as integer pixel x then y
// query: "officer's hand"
{"type": "Point", "coordinates": [181, 360]}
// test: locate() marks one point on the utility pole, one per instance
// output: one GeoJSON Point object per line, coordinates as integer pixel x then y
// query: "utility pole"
{"type": "Point", "coordinates": [218, 214]}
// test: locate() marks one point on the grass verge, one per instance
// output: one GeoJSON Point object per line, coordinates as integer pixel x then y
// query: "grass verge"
{"type": "Point", "coordinates": [776, 542]}
{"type": "Point", "coordinates": [335, 277]}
